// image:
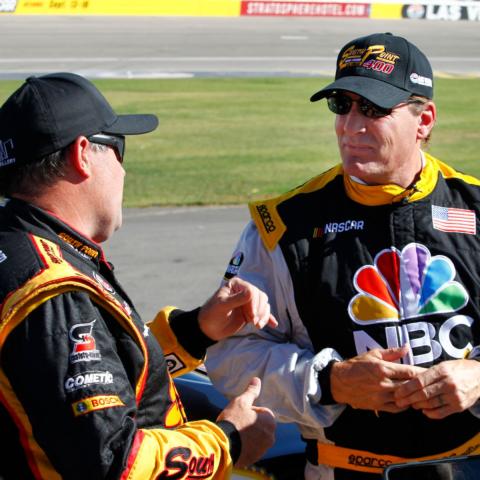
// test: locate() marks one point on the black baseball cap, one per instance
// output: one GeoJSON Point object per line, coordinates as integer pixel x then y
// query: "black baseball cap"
{"type": "Point", "coordinates": [49, 112]}
{"type": "Point", "coordinates": [382, 68]}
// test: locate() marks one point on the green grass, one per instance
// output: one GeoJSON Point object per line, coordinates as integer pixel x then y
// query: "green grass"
{"type": "Point", "coordinates": [230, 140]}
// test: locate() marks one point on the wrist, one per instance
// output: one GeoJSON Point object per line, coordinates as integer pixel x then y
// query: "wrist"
{"type": "Point", "coordinates": [323, 363]}
{"type": "Point", "coordinates": [324, 377]}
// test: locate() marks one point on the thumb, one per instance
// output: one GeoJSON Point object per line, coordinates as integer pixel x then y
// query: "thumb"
{"type": "Point", "coordinates": [252, 391]}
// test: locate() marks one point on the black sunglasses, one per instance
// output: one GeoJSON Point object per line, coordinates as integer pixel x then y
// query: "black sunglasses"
{"type": "Point", "coordinates": [117, 142]}
{"type": "Point", "coordinates": [341, 104]}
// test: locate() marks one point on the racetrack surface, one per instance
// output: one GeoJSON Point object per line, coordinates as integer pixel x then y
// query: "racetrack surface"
{"type": "Point", "coordinates": [161, 47]}
{"type": "Point", "coordinates": [178, 255]}
{"type": "Point", "coordinates": [174, 256]}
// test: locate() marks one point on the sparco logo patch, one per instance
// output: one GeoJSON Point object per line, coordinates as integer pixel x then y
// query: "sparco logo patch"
{"type": "Point", "coordinates": [266, 218]}
{"type": "Point", "coordinates": [180, 464]}
{"type": "Point", "coordinates": [84, 346]}
{"type": "Point", "coordinates": [82, 380]}
{"type": "Point", "coordinates": [373, 462]}
{"type": "Point", "coordinates": [174, 364]}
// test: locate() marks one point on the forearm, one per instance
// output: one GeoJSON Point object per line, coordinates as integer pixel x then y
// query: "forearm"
{"type": "Point", "coordinates": [289, 378]}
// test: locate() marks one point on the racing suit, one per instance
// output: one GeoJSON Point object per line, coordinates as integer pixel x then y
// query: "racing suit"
{"type": "Point", "coordinates": [347, 268]}
{"type": "Point", "coordinates": [85, 392]}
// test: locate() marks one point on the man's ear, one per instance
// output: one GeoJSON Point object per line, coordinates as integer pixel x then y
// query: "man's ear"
{"type": "Point", "coordinates": [426, 121]}
{"type": "Point", "coordinates": [80, 157]}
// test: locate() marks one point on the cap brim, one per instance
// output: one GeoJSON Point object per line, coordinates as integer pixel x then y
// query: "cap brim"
{"type": "Point", "coordinates": [378, 92]}
{"type": "Point", "coordinates": [133, 124]}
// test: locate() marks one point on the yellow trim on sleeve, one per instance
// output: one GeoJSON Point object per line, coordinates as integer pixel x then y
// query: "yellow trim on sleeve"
{"type": "Point", "coordinates": [178, 359]}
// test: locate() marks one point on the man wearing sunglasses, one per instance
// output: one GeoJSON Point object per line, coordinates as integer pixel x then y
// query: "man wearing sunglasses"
{"type": "Point", "coordinates": [372, 270]}
{"type": "Point", "coordinates": [84, 388]}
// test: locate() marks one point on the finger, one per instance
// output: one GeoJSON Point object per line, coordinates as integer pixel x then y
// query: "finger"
{"type": "Point", "coordinates": [272, 321]}
{"type": "Point", "coordinates": [263, 313]}
{"type": "Point", "coordinates": [264, 410]}
{"type": "Point", "coordinates": [439, 412]}
{"type": "Point", "coordinates": [391, 407]}
{"type": "Point", "coordinates": [422, 381]}
{"type": "Point", "coordinates": [252, 391]}
{"type": "Point", "coordinates": [425, 397]}
{"type": "Point", "coordinates": [394, 354]}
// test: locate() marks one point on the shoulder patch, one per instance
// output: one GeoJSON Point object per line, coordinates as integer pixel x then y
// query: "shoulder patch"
{"type": "Point", "coordinates": [268, 222]}
{"type": "Point", "coordinates": [265, 214]}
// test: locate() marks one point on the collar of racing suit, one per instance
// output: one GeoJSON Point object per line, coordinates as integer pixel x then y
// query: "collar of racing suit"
{"type": "Point", "coordinates": [46, 224]}
{"type": "Point", "coordinates": [373, 195]}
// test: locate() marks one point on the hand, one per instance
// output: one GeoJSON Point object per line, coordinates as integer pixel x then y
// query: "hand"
{"type": "Point", "coordinates": [231, 307]}
{"type": "Point", "coordinates": [448, 387]}
{"type": "Point", "coordinates": [369, 380]}
{"type": "Point", "coordinates": [256, 425]}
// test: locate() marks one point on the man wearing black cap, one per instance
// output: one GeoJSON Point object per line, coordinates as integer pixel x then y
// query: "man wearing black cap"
{"type": "Point", "coordinates": [84, 387]}
{"type": "Point", "coordinates": [372, 272]}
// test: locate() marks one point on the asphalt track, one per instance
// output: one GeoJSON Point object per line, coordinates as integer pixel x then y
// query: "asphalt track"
{"type": "Point", "coordinates": [177, 256]}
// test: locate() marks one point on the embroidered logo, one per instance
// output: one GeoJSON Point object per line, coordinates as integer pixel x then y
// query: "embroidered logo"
{"type": "Point", "coordinates": [375, 57]}
{"type": "Point", "coordinates": [405, 284]}
{"type": "Point", "coordinates": [6, 152]}
{"type": "Point", "coordinates": [411, 297]}
{"type": "Point", "coordinates": [99, 402]}
{"type": "Point", "coordinates": [234, 266]}
{"type": "Point", "coordinates": [84, 346]}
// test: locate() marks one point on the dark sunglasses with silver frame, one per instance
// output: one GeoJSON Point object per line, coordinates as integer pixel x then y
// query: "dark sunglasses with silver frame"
{"type": "Point", "coordinates": [117, 142]}
{"type": "Point", "coordinates": [341, 104]}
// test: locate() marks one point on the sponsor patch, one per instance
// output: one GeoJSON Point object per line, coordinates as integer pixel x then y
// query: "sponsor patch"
{"type": "Point", "coordinates": [458, 220]}
{"type": "Point", "coordinates": [411, 297]}
{"type": "Point", "coordinates": [339, 227]}
{"type": "Point", "coordinates": [420, 80]}
{"type": "Point", "coordinates": [84, 345]}
{"type": "Point", "coordinates": [6, 146]}
{"type": "Point", "coordinates": [174, 364]}
{"type": "Point", "coordinates": [85, 379]}
{"type": "Point", "coordinates": [146, 331]}
{"type": "Point", "coordinates": [84, 250]}
{"type": "Point", "coordinates": [375, 57]}
{"type": "Point", "coordinates": [53, 254]}
{"type": "Point", "coordinates": [266, 218]}
{"type": "Point", "coordinates": [234, 266]}
{"type": "Point", "coordinates": [99, 402]}
{"type": "Point", "coordinates": [103, 283]}
{"type": "Point", "coordinates": [179, 463]}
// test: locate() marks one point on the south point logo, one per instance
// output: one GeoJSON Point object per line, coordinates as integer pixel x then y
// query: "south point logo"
{"type": "Point", "coordinates": [401, 288]}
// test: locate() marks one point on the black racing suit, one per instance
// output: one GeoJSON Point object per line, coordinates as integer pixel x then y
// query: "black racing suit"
{"type": "Point", "coordinates": [348, 268]}
{"type": "Point", "coordinates": [84, 387]}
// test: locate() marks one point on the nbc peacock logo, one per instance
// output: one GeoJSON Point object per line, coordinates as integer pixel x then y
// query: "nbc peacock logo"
{"type": "Point", "coordinates": [398, 290]}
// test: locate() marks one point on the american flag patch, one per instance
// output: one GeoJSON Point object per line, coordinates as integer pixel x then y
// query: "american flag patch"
{"type": "Point", "coordinates": [456, 220]}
